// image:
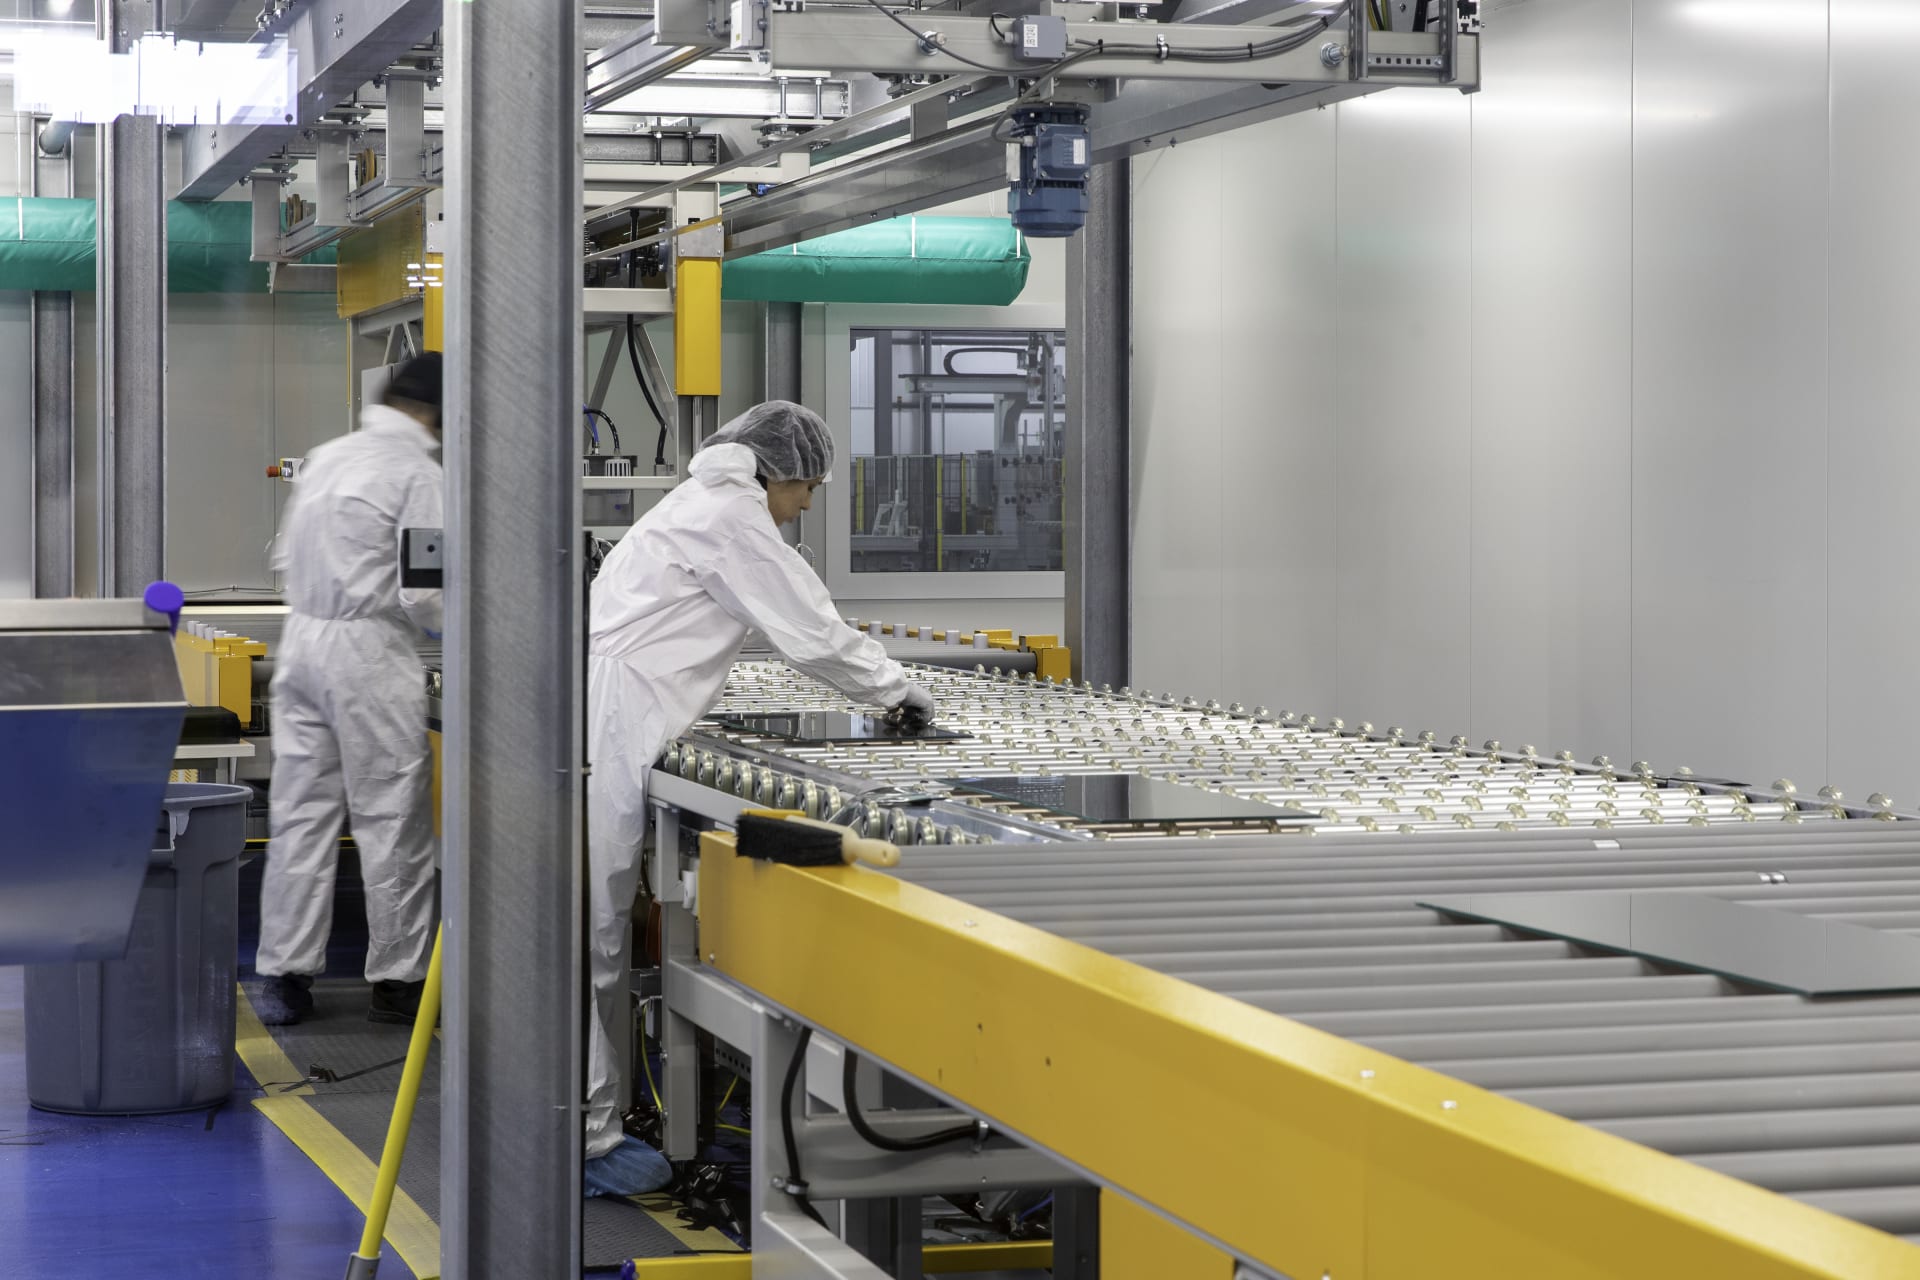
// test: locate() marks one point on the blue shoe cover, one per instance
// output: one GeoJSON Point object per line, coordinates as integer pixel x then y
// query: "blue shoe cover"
{"type": "Point", "coordinates": [631, 1169]}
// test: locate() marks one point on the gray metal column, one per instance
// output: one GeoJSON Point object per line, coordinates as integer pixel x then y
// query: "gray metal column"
{"type": "Point", "coordinates": [51, 323]}
{"type": "Point", "coordinates": [1076, 1233]}
{"type": "Point", "coordinates": [515, 999]}
{"type": "Point", "coordinates": [780, 379]}
{"type": "Point", "coordinates": [1099, 340]}
{"type": "Point", "coordinates": [130, 278]}
{"type": "Point", "coordinates": [887, 1233]}
{"type": "Point", "coordinates": [780, 351]}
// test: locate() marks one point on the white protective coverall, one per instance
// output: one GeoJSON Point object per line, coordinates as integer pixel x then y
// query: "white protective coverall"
{"type": "Point", "coordinates": [350, 703]}
{"type": "Point", "coordinates": [671, 608]}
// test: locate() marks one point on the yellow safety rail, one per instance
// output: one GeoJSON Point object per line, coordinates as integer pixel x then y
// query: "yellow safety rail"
{"type": "Point", "coordinates": [1289, 1147]}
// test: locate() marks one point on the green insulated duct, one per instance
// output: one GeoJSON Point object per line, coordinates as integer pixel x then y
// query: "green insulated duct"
{"type": "Point", "coordinates": [47, 245]}
{"type": "Point", "coordinates": [979, 261]}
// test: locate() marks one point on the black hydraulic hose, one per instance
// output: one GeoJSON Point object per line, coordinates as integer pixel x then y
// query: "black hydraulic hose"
{"type": "Point", "coordinates": [633, 357]}
{"type": "Point", "coordinates": [796, 1185]}
{"type": "Point", "coordinates": [613, 432]}
{"type": "Point", "coordinates": [874, 1137]}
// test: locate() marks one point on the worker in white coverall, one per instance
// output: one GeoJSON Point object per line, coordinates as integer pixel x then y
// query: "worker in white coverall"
{"type": "Point", "coordinates": [350, 707]}
{"type": "Point", "coordinates": [671, 608]}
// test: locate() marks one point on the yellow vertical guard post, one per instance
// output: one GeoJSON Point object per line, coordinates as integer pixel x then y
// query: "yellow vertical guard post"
{"type": "Point", "coordinates": [365, 1261]}
{"type": "Point", "coordinates": [696, 308]}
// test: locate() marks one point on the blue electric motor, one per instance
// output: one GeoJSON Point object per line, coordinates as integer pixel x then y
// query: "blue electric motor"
{"type": "Point", "coordinates": [1048, 156]}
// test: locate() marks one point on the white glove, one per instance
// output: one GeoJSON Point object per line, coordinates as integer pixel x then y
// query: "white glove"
{"type": "Point", "coordinates": [919, 702]}
{"type": "Point", "coordinates": [914, 709]}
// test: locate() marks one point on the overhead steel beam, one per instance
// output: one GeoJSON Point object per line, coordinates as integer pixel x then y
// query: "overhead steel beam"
{"type": "Point", "coordinates": [880, 116]}
{"type": "Point", "coordinates": [739, 97]}
{"type": "Point", "coordinates": [951, 166]}
{"type": "Point", "coordinates": [634, 63]}
{"type": "Point", "coordinates": [515, 1006]}
{"type": "Point", "coordinates": [213, 18]}
{"type": "Point", "coordinates": [967, 161]}
{"type": "Point", "coordinates": [130, 282]}
{"type": "Point", "coordinates": [950, 43]}
{"type": "Point", "coordinates": [1098, 464]}
{"type": "Point", "coordinates": [338, 46]}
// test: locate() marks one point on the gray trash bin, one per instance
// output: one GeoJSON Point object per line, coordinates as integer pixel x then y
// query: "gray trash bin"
{"type": "Point", "coordinates": [153, 1031]}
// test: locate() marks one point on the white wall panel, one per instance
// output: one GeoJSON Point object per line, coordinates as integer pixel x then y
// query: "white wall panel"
{"type": "Point", "coordinates": [1277, 621]}
{"type": "Point", "coordinates": [1405, 429]}
{"type": "Point", "coordinates": [1730, 280]}
{"type": "Point", "coordinates": [220, 503]}
{"type": "Point", "coordinates": [1873, 448]}
{"type": "Point", "coordinates": [1552, 362]}
{"type": "Point", "coordinates": [1180, 369]}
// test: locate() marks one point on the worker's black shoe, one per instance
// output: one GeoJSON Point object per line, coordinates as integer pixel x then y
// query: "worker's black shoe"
{"type": "Point", "coordinates": [284, 1000]}
{"type": "Point", "coordinates": [396, 1002]}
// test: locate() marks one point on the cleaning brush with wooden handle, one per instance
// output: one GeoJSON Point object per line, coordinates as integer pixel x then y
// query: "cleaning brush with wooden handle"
{"type": "Point", "coordinates": [775, 835]}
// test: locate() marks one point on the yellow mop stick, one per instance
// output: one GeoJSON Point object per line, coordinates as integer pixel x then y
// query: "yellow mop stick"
{"type": "Point", "coordinates": [362, 1264]}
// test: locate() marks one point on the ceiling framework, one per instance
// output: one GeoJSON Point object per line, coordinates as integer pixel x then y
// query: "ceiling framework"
{"type": "Point", "coordinates": [817, 118]}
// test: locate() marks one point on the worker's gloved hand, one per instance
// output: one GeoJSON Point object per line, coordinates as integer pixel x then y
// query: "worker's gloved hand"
{"type": "Point", "coordinates": [915, 711]}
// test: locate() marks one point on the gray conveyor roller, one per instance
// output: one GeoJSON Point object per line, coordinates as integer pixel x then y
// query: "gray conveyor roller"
{"type": "Point", "coordinates": [959, 657]}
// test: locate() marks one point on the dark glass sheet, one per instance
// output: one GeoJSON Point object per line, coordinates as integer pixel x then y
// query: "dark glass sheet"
{"type": "Point", "coordinates": [834, 726]}
{"type": "Point", "coordinates": [1125, 797]}
{"type": "Point", "coordinates": [1778, 949]}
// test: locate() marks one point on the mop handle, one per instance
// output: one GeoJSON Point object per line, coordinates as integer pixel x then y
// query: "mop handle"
{"type": "Point", "coordinates": [402, 1121]}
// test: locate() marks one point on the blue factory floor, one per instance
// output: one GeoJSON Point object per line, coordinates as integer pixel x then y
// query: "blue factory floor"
{"type": "Point", "coordinates": [220, 1196]}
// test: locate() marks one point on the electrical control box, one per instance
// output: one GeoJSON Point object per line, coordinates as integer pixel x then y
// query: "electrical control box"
{"type": "Point", "coordinates": [1040, 37]}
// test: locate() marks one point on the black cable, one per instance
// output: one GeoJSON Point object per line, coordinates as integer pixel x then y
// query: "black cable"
{"type": "Point", "coordinates": [1247, 53]}
{"type": "Point", "coordinates": [921, 37]}
{"type": "Point", "coordinates": [796, 1185]}
{"type": "Point", "coordinates": [633, 357]}
{"type": "Point", "coordinates": [874, 1137]}
{"type": "Point", "coordinates": [612, 431]}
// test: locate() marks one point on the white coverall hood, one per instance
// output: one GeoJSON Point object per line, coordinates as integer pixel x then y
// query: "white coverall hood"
{"type": "Point", "coordinates": [670, 610]}
{"type": "Point", "coordinates": [350, 702]}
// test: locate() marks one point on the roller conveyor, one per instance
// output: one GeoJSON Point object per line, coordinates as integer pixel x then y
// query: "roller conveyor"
{"type": "Point", "coordinates": [1351, 780]}
{"type": "Point", "coordinates": [1680, 1062]}
{"type": "Point", "coordinates": [1816, 1099]}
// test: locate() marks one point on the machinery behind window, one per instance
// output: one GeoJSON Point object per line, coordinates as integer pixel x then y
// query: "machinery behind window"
{"type": "Point", "coordinates": [958, 437]}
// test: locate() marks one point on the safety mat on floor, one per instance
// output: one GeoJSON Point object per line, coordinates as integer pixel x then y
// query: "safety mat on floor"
{"type": "Point", "coordinates": [337, 1041]}
{"type": "Point", "coordinates": [342, 1124]}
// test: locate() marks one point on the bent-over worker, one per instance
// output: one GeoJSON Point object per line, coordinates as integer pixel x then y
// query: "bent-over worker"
{"type": "Point", "coordinates": [671, 608]}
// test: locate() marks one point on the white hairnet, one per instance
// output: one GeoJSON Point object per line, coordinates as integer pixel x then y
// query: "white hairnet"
{"type": "Point", "coordinates": [790, 441]}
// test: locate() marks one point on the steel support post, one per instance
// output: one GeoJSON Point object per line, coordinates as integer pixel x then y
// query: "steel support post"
{"type": "Point", "coordinates": [1076, 1233]}
{"type": "Point", "coordinates": [780, 351]}
{"type": "Point", "coordinates": [679, 1043]}
{"type": "Point", "coordinates": [515, 996]}
{"type": "Point", "coordinates": [131, 289]}
{"type": "Point", "coordinates": [886, 1232]}
{"type": "Point", "coordinates": [51, 325]}
{"type": "Point", "coordinates": [1099, 340]}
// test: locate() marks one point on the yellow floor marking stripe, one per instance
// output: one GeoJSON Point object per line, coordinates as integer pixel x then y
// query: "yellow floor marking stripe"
{"type": "Point", "coordinates": [263, 1055]}
{"type": "Point", "coordinates": [714, 1266]}
{"type": "Point", "coordinates": [410, 1231]}
{"type": "Point", "coordinates": [666, 1211]}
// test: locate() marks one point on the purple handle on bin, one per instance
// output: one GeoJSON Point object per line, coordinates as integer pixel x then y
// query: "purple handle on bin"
{"type": "Point", "coordinates": [164, 597]}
